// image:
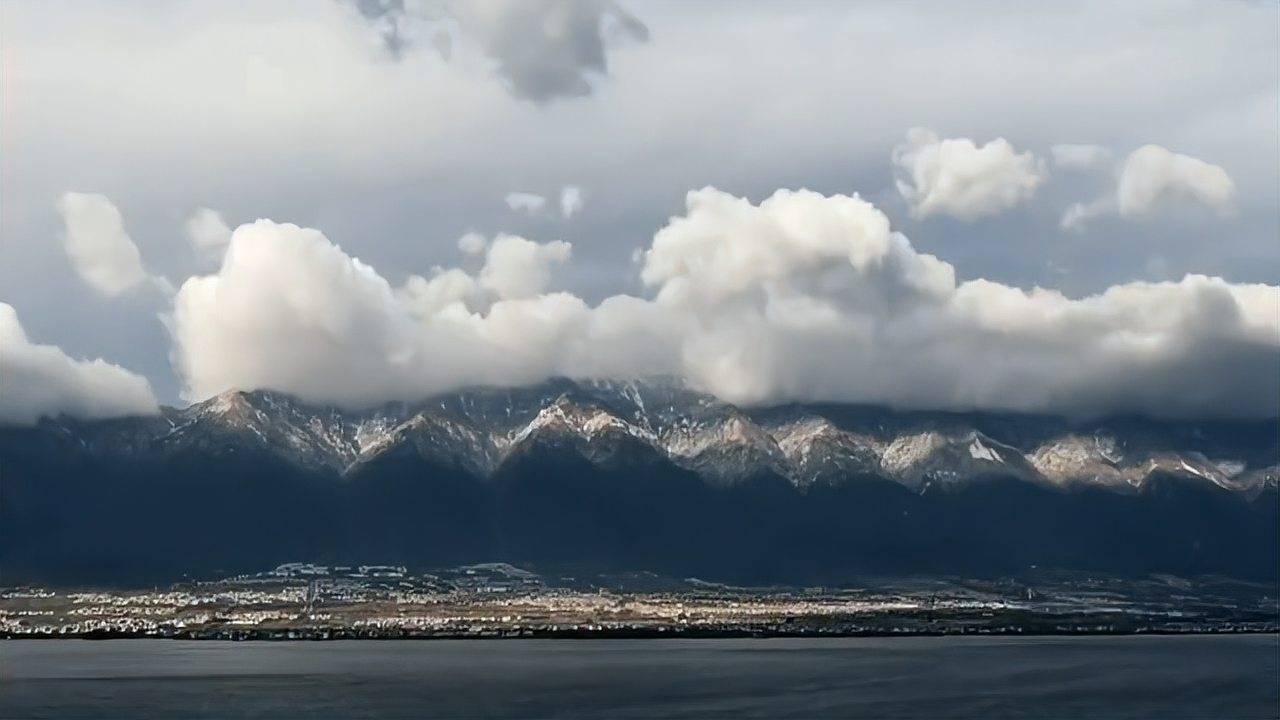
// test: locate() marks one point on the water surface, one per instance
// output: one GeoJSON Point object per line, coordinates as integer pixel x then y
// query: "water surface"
{"type": "Point", "coordinates": [1077, 677]}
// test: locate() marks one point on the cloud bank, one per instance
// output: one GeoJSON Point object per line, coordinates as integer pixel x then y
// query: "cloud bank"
{"type": "Point", "coordinates": [960, 178]}
{"type": "Point", "coordinates": [41, 380]}
{"type": "Point", "coordinates": [802, 297]}
{"type": "Point", "coordinates": [289, 310]}
{"type": "Point", "coordinates": [1152, 178]}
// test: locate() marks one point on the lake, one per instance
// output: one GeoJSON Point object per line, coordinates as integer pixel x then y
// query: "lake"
{"type": "Point", "coordinates": [1045, 677]}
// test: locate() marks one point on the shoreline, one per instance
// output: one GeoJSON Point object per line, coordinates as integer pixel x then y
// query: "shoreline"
{"type": "Point", "coordinates": [337, 634]}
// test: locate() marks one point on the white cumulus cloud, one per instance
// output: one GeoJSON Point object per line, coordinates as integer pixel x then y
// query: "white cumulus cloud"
{"type": "Point", "coordinates": [526, 202]}
{"type": "Point", "coordinates": [958, 177]}
{"type": "Point", "coordinates": [810, 297]}
{"type": "Point", "coordinates": [472, 243]}
{"type": "Point", "coordinates": [290, 310]}
{"type": "Point", "coordinates": [570, 201]}
{"type": "Point", "coordinates": [1152, 178]}
{"type": "Point", "coordinates": [101, 252]}
{"type": "Point", "coordinates": [207, 232]}
{"type": "Point", "coordinates": [42, 381]}
{"type": "Point", "coordinates": [516, 268]}
{"type": "Point", "coordinates": [801, 297]}
{"type": "Point", "coordinates": [1154, 174]}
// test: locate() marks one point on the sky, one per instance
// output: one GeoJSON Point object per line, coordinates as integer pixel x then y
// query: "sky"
{"type": "Point", "coordinates": [1067, 207]}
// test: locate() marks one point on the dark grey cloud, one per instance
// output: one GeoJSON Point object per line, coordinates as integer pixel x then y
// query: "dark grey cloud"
{"type": "Point", "coordinates": [549, 49]}
{"type": "Point", "coordinates": [544, 50]}
{"type": "Point", "coordinates": [390, 19]}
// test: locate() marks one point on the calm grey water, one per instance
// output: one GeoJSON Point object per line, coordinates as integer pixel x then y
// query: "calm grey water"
{"type": "Point", "coordinates": [1158, 677]}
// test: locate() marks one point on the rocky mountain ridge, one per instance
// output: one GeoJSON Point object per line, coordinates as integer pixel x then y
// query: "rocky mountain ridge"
{"type": "Point", "coordinates": [631, 476]}
{"type": "Point", "coordinates": [477, 430]}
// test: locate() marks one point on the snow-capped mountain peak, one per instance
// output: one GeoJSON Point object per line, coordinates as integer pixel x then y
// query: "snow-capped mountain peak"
{"type": "Point", "coordinates": [477, 430]}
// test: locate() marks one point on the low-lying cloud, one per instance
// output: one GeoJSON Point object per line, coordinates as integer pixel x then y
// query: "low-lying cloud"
{"type": "Point", "coordinates": [42, 381]}
{"type": "Point", "coordinates": [801, 297]}
{"type": "Point", "coordinates": [321, 324]}
{"type": "Point", "coordinates": [958, 177]}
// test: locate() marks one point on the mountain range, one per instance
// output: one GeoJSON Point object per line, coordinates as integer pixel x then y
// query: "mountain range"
{"type": "Point", "coordinates": [632, 475]}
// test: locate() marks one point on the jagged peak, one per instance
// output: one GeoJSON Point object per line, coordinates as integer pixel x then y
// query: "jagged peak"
{"type": "Point", "coordinates": [225, 402]}
{"type": "Point", "coordinates": [234, 408]}
{"type": "Point", "coordinates": [716, 439]}
{"type": "Point", "coordinates": [910, 449]}
{"type": "Point", "coordinates": [241, 402]}
{"type": "Point", "coordinates": [588, 421]}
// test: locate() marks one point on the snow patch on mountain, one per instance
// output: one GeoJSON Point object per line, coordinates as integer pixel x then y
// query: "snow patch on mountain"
{"type": "Point", "coordinates": [724, 449]}
{"type": "Point", "coordinates": [978, 451]}
{"type": "Point", "coordinates": [588, 423]}
{"type": "Point", "coordinates": [819, 451]}
{"type": "Point", "coordinates": [1229, 468]}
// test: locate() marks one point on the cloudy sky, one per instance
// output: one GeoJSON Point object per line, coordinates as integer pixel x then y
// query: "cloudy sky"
{"type": "Point", "coordinates": [1068, 207]}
